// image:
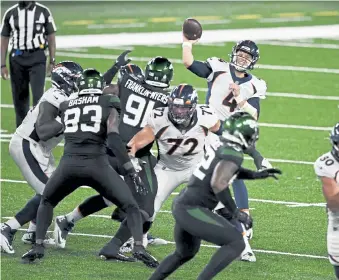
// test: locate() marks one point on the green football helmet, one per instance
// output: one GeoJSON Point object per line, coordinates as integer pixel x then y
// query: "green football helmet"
{"type": "Point", "coordinates": [241, 128]}
{"type": "Point", "coordinates": [90, 82]}
{"type": "Point", "coordinates": [159, 72]}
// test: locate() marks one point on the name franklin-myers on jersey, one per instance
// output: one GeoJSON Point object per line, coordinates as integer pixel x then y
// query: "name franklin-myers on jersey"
{"type": "Point", "coordinates": [83, 100]}
{"type": "Point", "coordinates": [139, 89]}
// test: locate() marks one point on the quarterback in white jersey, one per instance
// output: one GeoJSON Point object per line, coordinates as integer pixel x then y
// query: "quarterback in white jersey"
{"type": "Point", "coordinates": [31, 148]}
{"type": "Point", "coordinates": [180, 131]}
{"type": "Point", "coordinates": [327, 169]}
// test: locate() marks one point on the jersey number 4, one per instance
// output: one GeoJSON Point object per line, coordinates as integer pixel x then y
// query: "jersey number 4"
{"type": "Point", "coordinates": [72, 123]}
{"type": "Point", "coordinates": [137, 116]}
{"type": "Point", "coordinates": [229, 101]}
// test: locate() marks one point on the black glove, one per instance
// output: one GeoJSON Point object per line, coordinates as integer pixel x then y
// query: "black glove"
{"type": "Point", "coordinates": [243, 218]}
{"type": "Point", "coordinates": [122, 59]}
{"type": "Point", "coordinates": [138, 183]}
{"type": "Point", "coordinates": [270, 172]}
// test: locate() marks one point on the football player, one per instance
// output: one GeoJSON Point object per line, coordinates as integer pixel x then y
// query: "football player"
{"type": "Point", "coordinates": [138, 97]}
{"type": "Point", "coordinates": [180, 131]}
{"type": "Point", "coordinates": [327, 169]}
{"type": "Point", "coordinates": [230, 88]}
{"type": "Point", "coordinates": [31, 146]}
{"type": "Point", "coordinates": [209, 184]}
{"type": "Point", "coordinates": [89, 120]}
{"type": "Point", "coordinates": [31, 149]}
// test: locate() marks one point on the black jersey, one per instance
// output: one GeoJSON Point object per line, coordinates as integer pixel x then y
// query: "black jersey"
{"type": "Point", "coordinates": [137, 99]}
{"type": "Point", "coordinates": [85, 122]}
{"type": "Point", "coordinates": [199, 191]}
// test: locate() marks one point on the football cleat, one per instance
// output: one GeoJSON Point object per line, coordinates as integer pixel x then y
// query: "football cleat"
{"type": "Point", "coordinates": [155, 240]}
{"type": "Point", "coordinates": [62, 228]}
{"type": "Point", "coordinates": [247, 255]}
{"type": "Point", "coordinates": [30, 236]}
{"type": "Point", "coordinates": [142, 255]}
{"type": "Point", "coordinates": [128, 246]}
{"type": "Point", "coordinates": [6, 235]}
{"type": "Point", "coordinates": [111, 252]}
{"type": "Point", "coordinates": [37, 252]}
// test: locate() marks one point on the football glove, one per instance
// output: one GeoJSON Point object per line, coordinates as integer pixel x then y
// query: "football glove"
{"type": "Point", "coordinates": [243, 218]}
{"type": "Point", "coordinates": [270, 172]}
{"type": "Point", "coordinates": [123, 59]}
{"type": "Point", "coordinates": [137, 163]}
{"type": "Point", "coordinates": [140, 187]}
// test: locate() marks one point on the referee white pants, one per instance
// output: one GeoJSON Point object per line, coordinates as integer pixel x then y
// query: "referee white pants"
{"type": "Point", "coordinates": [35, 166]}
{"type": "Point", "coordinates": [168, 181]}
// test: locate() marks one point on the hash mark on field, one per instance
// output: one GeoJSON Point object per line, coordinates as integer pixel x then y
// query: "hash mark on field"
{"type": "Point", "coordinates": [211, 246]}
{"type": "Point", "coordinates": [287, 203]}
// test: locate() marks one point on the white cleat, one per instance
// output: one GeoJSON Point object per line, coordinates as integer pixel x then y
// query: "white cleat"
{"type": "Point", "coordinates": [247, 255]}
{"type": "Point", "coordinates": [61, 229]}
{"type": "Point", "coordinates": [6, 239]}
{"type": "Point", "coordinates": [128, 246]}
{"type": "Point", "coordinates": [155, 240]}
{"type": "Point", "coordinates": [30, 236]}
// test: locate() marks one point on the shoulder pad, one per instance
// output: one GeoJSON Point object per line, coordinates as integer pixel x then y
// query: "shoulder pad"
{"type": "Point", "coordinates": [326, 166]}
{"type": "Point", "coordinates": [158, 119]}
{"type": "Point", "coordinates": [230, 153]}
{"type": "Point", "coordinates": [260, 86]}
{"type": "Point", "coordinates": [54, 97]}
{"type": "Point", "coordinates": [217, 65]}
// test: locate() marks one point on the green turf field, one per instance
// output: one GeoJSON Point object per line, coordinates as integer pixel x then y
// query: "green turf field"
{"type": "Point", "coordinates": [290, 218]}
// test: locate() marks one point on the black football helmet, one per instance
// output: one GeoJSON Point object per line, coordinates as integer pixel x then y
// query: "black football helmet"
{"type": "Point", "coordinates": [182, 104]}
{"type": "Point", "coordinates": [334, 136]}
{"type": "Point", "coordinates": [159, 72]}
{"type": "Point", "coordinates": [91, 82]}
{"type": "Point", "coordinates": [249, 47]}
{"type": "Point", "coordinates": [241, 128]}
{"type": "Point", "coordinates": [64, 76]}
{"type": "Point", "coordinates": [131, 69]}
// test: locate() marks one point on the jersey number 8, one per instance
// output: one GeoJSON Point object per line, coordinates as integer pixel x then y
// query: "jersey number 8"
{"type": "Point", "coordinates": [72, 124]}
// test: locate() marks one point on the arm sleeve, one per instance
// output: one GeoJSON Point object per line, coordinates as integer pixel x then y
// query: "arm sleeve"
{"type": "Point", "coordinates": [5, 26]}
{"type": "Point", "coordinates": [49, 24]}
{"type": "Point", "coordinates": [110, 74]}
{"type": "Point", "coordinates": [201, 69]}
{"type": "Point", "coordinates": [47, 124]}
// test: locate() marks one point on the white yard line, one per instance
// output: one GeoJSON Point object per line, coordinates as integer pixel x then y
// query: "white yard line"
{"type": "Point", "coordinates": [300, 45]}
{"type": "Point", "coordinates": [209, 36]}
{"type": "Point", "coordinates": [175, 60]}
{"type": "Point", "coordinates": [270, 252]}
{"type": "Point", "coordinates": [286, 203]}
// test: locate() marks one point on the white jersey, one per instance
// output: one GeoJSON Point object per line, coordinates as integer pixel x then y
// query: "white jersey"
{"type": "Point", "coordinates": [328, 166]}
{"type": "Point", "coordinates": [222, 100]}
{"type": "Point", "coordinates": [27, 128]}
{"type": "Point", "coordinates": [180, 150]}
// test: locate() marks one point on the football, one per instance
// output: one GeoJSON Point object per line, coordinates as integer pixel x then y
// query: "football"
{"type": "Point", "coordinates": [192, 29]}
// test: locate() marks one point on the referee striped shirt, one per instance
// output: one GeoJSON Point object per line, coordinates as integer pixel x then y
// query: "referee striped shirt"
{"type": "Point", "coordinates": [28, 28]}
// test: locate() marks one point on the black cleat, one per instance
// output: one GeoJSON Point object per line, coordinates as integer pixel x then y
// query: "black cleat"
{"type": "Point", "coordinates": [111, 252]}
{"type": "Point", "coordinates": [37, 252]}
{"type": "Point", "coordinates": [142, 255]}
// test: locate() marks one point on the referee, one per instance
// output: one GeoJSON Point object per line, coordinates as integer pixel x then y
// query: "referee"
{"type": "Point", "coordinates": [31, 29]}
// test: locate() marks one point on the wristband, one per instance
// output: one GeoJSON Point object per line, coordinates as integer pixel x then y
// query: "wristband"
{"type": "Point", "coordinates": [52, 61]}
{"type": "Point", "coordinates": [249, 109]}
{"type": "Point", "coordinates": [187, 44]}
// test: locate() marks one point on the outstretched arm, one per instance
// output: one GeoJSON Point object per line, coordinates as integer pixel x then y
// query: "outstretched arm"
{"type": "Point", "coordinates": [141, 139]}
{"type": "Point", "coordinates": [122, 60]}
{"type": "Point", "coordinates": [48, 123]}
